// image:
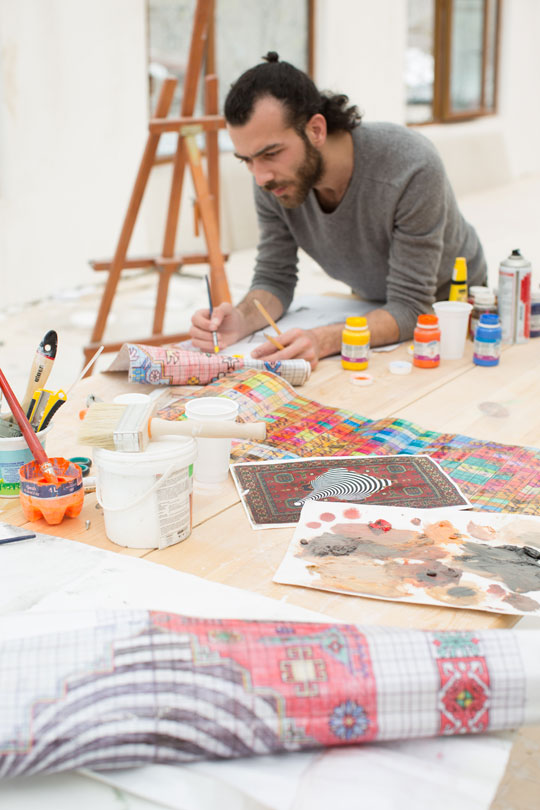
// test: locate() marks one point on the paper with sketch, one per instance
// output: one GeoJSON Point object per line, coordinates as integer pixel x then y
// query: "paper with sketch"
{"type": "Point", "coordinates": [306, 312]}
{"type": "Point", "coordinates": [476, 560]}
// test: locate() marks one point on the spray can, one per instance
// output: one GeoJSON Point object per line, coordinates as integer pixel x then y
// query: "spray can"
{"type": "Point", "coordinates": [458, 285]}
{"type": "Point", "coordinates": [355, 344]}
{"type": "Point", "coordinates": [515, 298]}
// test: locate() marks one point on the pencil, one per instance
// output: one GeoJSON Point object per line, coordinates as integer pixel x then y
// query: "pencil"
{"type": "Point", "coordinates": [276, 343]}
{"type": "Point", "coordinates": [267, 317]}
{"type": "Point", "coordinates": [16, 539]}
{"type": "Point", "coordinates": [211, 308]}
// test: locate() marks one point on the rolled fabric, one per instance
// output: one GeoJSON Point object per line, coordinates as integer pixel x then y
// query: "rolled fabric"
{"type": "Point", "coordinates": [120, 689]}
{"type": "Point", "coordinates": [162, 365]}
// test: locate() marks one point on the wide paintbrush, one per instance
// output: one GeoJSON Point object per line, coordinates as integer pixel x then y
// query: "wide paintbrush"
{"type": "Point", "coordinates": [130, 427]}
{"type": "Point", "coordinates": [31, 439]}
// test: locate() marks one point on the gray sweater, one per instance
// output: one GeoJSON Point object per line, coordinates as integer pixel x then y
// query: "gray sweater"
{"type": "Point", "coordinates": [393, 238]}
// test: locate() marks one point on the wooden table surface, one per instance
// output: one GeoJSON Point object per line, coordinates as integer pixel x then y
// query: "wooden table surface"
{"type": "Point", "coordinates": [500, 403]}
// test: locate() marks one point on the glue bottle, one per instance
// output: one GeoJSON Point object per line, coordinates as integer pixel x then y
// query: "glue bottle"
{"type": "Point", "coordinates": [487, 340]}
{"type": "Point", "coordinates": [355, 344]}
{"type": "Point", "coordinates": [427, 342]}
{"type": "Point", "coordinates": [458, 285]}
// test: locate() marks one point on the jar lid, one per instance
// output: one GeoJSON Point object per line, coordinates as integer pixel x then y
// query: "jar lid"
{"type": "Point", "coordinates": [356, 322]}
{"type": "Point", "coordinates": [428, 320]}
{"type": "Point", "coordinates": [489, 319]}
{"type": "Point", "coordinates": [484, 295]}
{"type": "Point", "coordinates": [400, 367]}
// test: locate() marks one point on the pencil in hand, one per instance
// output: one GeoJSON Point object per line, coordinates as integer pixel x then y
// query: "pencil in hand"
{"type": "Point", "coordinates": [267, 317]}
{"type": "Point", "coordinates": [211, 309]}
{"type": "Point", "coordinates": [273, 340]}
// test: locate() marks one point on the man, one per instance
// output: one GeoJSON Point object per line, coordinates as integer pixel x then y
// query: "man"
{"type": "Point", "coordinates": [371, 203]}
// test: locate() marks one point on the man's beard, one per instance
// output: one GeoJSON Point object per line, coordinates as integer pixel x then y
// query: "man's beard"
{"type": "Point", "coordinates": [307, 175]}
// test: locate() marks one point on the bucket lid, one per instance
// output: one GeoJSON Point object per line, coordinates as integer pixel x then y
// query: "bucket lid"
{"type": "Point", "coordinates": [167, 448]}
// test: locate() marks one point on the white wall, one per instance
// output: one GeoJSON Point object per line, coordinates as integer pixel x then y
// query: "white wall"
{"type": "Point", "coordinates": [73, 123]}
{"type": "Point", "coordinates": [73, 118]}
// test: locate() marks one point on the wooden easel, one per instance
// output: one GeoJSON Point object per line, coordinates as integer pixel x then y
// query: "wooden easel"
{"type": "Point", "coordinates": [206, 190]}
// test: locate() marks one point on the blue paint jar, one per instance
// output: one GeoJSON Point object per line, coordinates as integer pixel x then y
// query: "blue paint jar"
{"type": "Point", "coordinates": [487, 340]}
{"type": "Point", "coordinates": [535, 313]}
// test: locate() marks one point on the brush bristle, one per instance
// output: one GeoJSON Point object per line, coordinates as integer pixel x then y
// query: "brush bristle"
{"type": "Point", "coordinates": [99, 424]}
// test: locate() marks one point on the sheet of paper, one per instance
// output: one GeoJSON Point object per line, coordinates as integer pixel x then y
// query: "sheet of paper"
{"type": "Point", "coordinates": [50, 573]}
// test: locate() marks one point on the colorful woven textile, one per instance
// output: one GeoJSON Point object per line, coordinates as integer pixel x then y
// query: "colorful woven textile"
{"type": "Point", "coordinates": [494, 476]}
{"type": "Point", "coordinates": [170, 365]}
{"type": "Point", "coordinates": [121, 689]}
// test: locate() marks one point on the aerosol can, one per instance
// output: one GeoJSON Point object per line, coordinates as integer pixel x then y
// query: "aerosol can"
{"type": "Point", "coordinates": [514, 298]}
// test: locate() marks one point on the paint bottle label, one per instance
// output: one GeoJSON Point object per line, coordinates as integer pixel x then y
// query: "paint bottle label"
{"type": "Point", "coordinates": [535, 314]}
{"type": "Point", "coordinates": [427, 351]}
{"type": "Point", "coordinates": [355, 340]}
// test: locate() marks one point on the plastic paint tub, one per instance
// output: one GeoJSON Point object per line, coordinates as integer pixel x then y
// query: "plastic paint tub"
{"type": "Point", "coordinates": [13, 454]}
{"type": "Point", "coordinates": [147, 497]}
{"type": "Point", "coordinates": [52, 502]}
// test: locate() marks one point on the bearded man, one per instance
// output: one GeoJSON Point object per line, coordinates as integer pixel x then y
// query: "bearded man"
{"type": "Point", "coordinates": [370, 202]}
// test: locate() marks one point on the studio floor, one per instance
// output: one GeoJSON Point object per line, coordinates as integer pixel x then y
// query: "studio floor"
{"type": "Point", "coordinates": [72, 314]}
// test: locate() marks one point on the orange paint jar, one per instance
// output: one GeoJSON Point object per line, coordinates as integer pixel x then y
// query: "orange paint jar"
{"type": "Point", "coordinates": [427, 342]}
{"type": "Point", "coordinates": [53, 502]}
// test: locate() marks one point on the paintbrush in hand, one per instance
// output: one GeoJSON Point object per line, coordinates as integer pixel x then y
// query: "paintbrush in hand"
{"type": "Point", "coordinates": [32, 440]}
{"type": "Point", "coordinates": [129, 428]}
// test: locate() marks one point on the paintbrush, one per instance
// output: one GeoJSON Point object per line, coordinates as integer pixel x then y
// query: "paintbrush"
{"type": "Point", "coordinates": [41, 367]}
{"type": "Point", "coordinates": [211, 311]}
{"type": "Point", "coordinates": [32, 440]}
{"type": "Point", "coordinates": [129, 428]}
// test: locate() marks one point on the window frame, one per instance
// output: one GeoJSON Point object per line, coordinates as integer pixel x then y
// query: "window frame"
{"type": "Point", "coordinates": [442, 112]}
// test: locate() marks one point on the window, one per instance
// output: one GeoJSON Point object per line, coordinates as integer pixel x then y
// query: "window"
{"type": "Point", "coordinates": [451, 59]}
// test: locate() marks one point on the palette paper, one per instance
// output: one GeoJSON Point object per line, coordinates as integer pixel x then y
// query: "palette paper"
{"type": "Point", "coordinates": [477, 560]}
{"type": "Point", "coordinates": [273, 492]}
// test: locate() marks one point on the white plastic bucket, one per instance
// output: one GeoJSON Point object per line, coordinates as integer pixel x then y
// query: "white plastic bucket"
{"type": "Point", "coordinates": [147, 497]}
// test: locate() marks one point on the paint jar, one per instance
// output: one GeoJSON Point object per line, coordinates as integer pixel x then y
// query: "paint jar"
{"type": "Point", "coordinates": [355, 344]}
{"type": "Point", "coordinates": [14, 453]}
{"type": "Point", "coordinates": [147, 497]}
{"type": "Point", "coordinates": [53, 502]}
{"type": "Point", "coordinates": [535, 314]}
{"type": "Point", "coordinates": [458, 285]}
{"type": "Point", "coordinates": [213, 455]}
{"type": "Point", "coordinates": [427, 342]}
{"type": "Point", "coordinates": [483, 301]}
{"type": "Point", "coordinates": [453, 321]}
{"type": "Point", "coordinates": [487, 340]}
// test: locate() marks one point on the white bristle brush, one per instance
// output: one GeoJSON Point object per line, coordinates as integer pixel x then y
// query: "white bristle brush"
{"type": "Point", "coordinates": [129, 428]}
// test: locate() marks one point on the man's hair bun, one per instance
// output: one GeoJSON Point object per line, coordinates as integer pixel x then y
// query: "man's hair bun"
{"type": "Point", "coordinates": [271, 56]}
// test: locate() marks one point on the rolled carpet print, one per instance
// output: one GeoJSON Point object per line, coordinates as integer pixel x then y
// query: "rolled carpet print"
{"type": "Point", "coordinates": [120, 689]}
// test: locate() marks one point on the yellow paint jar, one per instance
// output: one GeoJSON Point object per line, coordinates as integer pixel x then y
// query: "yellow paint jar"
{"type": "Point", "coordinates": [355, 344]}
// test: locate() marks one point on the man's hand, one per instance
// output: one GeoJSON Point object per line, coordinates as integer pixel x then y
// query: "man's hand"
{"type": "Point", "coordinates": [296, 342]}
{"type": "Point", "coordinates": [226, 320]}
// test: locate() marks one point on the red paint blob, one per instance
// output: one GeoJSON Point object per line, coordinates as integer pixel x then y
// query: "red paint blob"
{"type": "Point", "coordinates": [351, 514]}
{"type": "Point", "coordinates": [496, 590]}
{"type": "Point", "coordinates": [313, 525]}
{"type": "Point", "coordinates": [328, 517]}
{"type": "Point", "coordinates": [380, 525]}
